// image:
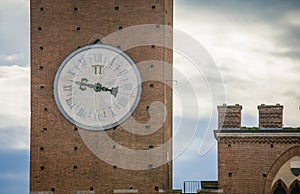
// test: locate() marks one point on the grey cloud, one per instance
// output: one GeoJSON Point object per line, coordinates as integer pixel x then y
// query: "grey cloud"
{"type": "Point", "coordinates": [244, 12]}
{"type": "Point", "coordinates": [290, 40]}
{"type": "Point", "coordinates": [14, 138]}
{"type": "Point", "coordinates": [14, 32]}
{"type": "Point", "coordinates": [259, 8]}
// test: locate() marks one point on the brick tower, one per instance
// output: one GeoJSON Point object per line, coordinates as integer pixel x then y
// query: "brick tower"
{"type": "Point", "coordinates": [60, 160]}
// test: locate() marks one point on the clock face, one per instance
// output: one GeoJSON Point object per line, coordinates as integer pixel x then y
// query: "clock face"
{"type": "Point", "coordinates": [97, 87]}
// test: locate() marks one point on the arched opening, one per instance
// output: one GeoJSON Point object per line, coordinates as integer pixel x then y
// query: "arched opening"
{"type": "Point", "coordinates": [279, 188]}
{"type": "Point", "coordinates": [270, 186]}
{"type": "Point", "coordinates": [295, 188]}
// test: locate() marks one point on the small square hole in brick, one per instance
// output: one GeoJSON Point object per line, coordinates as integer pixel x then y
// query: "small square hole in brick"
{"type": "Point", "coordinates": [91, 188]}
{"type": "Point", "coordinates": [264, 175]}
{"type": "Point", "coordinates": [41, 8]}
{"type": "Point", "coordinates": [52, 189]}
{"type": "Point", "coordinates": [271, 146]}
{"type": "Point", "coordinates": [42, 167]}
{"type": "Point", "coordinates": [120, 27]}
{"type": "Point", "coordinates": [152, 46]}
{"type": "Point", "coordinates": [40, 28]}
{"type": "Point", "coordinates": [75, 129]}
{"type": "Point", "coordinates": [46, 109]}
{"type": "Point", "coordinates": [75, 148]}
{"type": "Point", "coordinates": [78, 28]}
{"type": "Point", "coordinates": [115, 167]}
{"type": "Point", "coordinates": [41, 48]}
{"type": "Point", "coordinates": [156, 188]}
{"type": "Point", "coordinates": [151, 85]}
{"type": "Point", "coordinates": [42, 87]}
{"type": "Point", "coordinates": [75, 9]}
{"type": "Point", "coordinates": [153, 6]}
{"type": "Point", "coordinates": [41, 67]}
{"type": "Point", "coordinates": [230, 174]}
{"type": "Point", "coordinates": [42, 148]}
{"type": "Point", "coordinates": [75, 167]}
{"type": "Point", "coordinates": [116, 7]}
{"type": "Point", "coordinates": [44, 129]}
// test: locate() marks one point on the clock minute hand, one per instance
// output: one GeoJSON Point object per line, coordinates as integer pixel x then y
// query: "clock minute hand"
{"type": "Point", "coordinates": [113, 90]}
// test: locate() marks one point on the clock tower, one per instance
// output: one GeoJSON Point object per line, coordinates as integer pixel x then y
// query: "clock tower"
{"type": "Point", "coordinates": [101, 96]}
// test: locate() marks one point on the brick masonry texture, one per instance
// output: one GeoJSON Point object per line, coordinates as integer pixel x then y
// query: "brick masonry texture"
{"type": "Point", "coordinates": [250, 166]}
{"type": "Point", "coordinates": [229, 116]}
{"type": "Point", "coordinates": [270, 116]}
{"type": "Point", "coordinates": [59, 160]}
{"type": "Point", "coordinates": [249, 159]}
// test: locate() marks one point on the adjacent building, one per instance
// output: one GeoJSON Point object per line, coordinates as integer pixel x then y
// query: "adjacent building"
{"type": "Point", "coordinates": [256, 160]}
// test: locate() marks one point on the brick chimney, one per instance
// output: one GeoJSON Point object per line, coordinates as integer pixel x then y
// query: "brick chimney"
{"type": "Point", "coordinates": [229, 116]}
{"type": "Point", "coordinates": [270, 116]}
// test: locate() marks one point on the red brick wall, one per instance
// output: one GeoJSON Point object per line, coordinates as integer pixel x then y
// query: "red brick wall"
{"type": "Point", "coordinates": [229, 116]}
{"type": "Point", "coordinates": [55, 146]}
{"type": "Point", "coordinates": [270, 116]}
{"type": "Point", "coordinates": [248, 165]}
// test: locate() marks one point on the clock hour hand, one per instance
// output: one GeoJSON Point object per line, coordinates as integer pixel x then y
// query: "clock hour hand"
{"type": "Point", "coordinates": [83, 84]}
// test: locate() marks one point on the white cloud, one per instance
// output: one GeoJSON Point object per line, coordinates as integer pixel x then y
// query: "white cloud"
{"type": "Point", "coordinates": [14, 138]}
{"type": "Point", "coordinates": [250, 57]}
{"type": "Point", "coordinates": [292, 18]}
{"type": "Point", "coordinates": [15, 107]}
{"type": "Point", "coordinates": [13, 58]}
{"type": "Point", "coordinates": [14, 32]}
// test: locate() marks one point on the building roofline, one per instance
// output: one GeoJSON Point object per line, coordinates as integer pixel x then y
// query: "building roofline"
{"type": "Point", "coordinates": [261, 132]}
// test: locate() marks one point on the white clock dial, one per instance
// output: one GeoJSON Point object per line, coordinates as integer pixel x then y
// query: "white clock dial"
{"type": "Point", "coordinates": [97, 87]}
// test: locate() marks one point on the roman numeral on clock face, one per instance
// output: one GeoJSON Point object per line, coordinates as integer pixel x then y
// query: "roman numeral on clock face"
{"type": "Point", "coordinates": [123, 72]}
{"type": "Point", "coordinates": [81, 112]}
{"type": "Point", "coordinates": [98, 58]}
{"type": "Point", "coordinates": [70, 103]}
{"type": "Point", "coordinates": [127, 86]}
{"type": "Point", "coordinates": [123, 101]}
{"type": "Point", "coordinates": [82, 61]}
{"type": "Point", "coordinates": [71, 73]}
{"type": "Point", "coordinates": [97, 69]}
{"type": "Point", "coordinates": [67, 88]}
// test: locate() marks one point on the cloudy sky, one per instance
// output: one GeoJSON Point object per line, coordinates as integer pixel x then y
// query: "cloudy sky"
{"type": "Point", "coordinates": [255, 48]}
